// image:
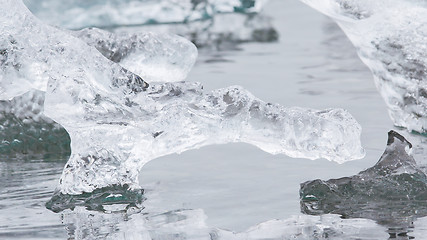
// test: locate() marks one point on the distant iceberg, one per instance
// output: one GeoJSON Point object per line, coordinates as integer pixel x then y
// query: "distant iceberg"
{"type": "Point", "coordinates": [117, 122]}
{"type": "Point", "coordinates": [390, 37]}
{"type": "Point", "coordinates": [77, 14]}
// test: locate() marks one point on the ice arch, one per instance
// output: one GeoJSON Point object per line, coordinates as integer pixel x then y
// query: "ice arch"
{"type": "Point", "coordinates": [117, 122]}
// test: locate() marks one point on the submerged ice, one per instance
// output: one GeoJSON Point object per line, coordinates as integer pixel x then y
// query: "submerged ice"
{"type": "Point", "coordinates": [117, 122]}
{"type": "Point", "coordinates": [393, 192]}
{"type": "Point", "coordinates": [390, 37]}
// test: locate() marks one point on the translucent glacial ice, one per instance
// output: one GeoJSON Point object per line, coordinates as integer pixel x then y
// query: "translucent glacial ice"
{"type": "Point", "coordinates": [393, 192]}
{"type": "Point", "coordinates": [390, 37]}
{"type": "Point", "coordinates": [146, 54]}
{"type": "Point", "coordinates": [117, 122]}
{"type": "Point", "coordinates": [28, 131]}
{"type": "Point", "coordinates": [114, 134]}
{"type": "Point", "coordinates": [77, 14]}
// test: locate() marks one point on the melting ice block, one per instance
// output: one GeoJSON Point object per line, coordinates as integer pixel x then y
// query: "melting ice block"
{"type": "Point", "coordinates": [32, 53]}
{"type": "Point", "coordinates": [117, 123]}
{"type": "Point", "coordinates": [154, 57]}
{"type": "Point", "coordinates": [76, 14]}
{"type": "Point", "coordinates": [390, 37]}
{"type": "Point", "coordinates": [392, 192]}
{"type": "Point", "coordinates": [114, 134]}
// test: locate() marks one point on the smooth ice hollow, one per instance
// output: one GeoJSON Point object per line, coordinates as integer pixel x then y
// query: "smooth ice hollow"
{"type": "Point", "coordinates": [393, 192]}
{"type": "Point", "coordinates": [117, 123]}
{"type": "Point", "coordinates": [390, 37]}
{"type": "Point", "coordinates": [77, 14]}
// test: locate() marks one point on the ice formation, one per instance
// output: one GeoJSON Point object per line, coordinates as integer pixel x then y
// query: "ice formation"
{"type": "Point", "coordinates": [393, 192]}
{"type": "Point", "coordinates": [390, 37]}
{"type": "Point", "coordinates": [77, 14]}
{"type": "Point", "coordinates": [146, 54]}
{"type": "Point", "coordinates": [117, 123]}
{"type": "Point", "coordinates": [114, 132]}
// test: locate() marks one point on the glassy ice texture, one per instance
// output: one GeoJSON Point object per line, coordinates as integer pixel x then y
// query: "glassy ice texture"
{"type": "Point", "coordinates": [32, 53]}
{"type": "Point", "coordinates": [390, 37]}
{"type": "Point", "coordinates": [117, 123]}
{"type": "Point", "coordinates": [146, 54]}
{"type": "Point", "coordinates": [393, 192]}
{"type": "Point", "coordinates": [115, 132]}
{"type": "Point", "coordinates": [76, 14]}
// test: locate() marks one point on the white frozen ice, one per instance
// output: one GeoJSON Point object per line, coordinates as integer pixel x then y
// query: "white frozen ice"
{"type": "Point", "coordinates": [117, 123]}
{"type": "Point", "coordinates": [390, 37]}
{"type": "Point", "coordinates": [77, 14]}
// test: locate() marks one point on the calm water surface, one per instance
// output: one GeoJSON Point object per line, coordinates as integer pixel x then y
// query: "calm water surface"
{"type": "Point", "coordinates": [225, 191]}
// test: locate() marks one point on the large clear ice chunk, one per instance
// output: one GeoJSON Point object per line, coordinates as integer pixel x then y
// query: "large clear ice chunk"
{"type": "Point", "coordinates": [390, 37]}
{"type": "Point", "coordinates": [32, 53]}
{"type": "Point", "coordinates": [76, 14]}
{"type": "Point", "coordinates": [146, 54]}
{"type": "Point", "coordinates": [393, 192]}
{"type": "Point", "coordinates": [113, 133]}
{"type": "Point", "coordinates": [117, 123]}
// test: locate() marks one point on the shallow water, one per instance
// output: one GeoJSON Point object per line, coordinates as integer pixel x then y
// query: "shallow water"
{"type": "Point", "coordinates": [225, 191]}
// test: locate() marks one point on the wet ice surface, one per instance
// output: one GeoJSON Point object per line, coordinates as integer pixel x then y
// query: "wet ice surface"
{"type": "Point", "coordinates": [235, 186]}
{"type": "Point", "coordinates": [390, 39]}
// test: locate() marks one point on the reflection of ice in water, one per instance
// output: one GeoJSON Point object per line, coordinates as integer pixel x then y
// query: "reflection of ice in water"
{"type": "Point", "coordinates": [190, 224]}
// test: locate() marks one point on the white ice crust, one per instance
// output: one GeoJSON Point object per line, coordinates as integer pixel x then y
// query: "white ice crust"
{"type": "Point", "coordinates": [390, 37]}
{"type": "Point", "coordinates": [117, 123]}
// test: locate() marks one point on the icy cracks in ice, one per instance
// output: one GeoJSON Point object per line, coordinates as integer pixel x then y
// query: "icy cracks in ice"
{"type": "Point", "coordinates": [390, 36]}
{"type": "Point", "coordinates": [117, 123]}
